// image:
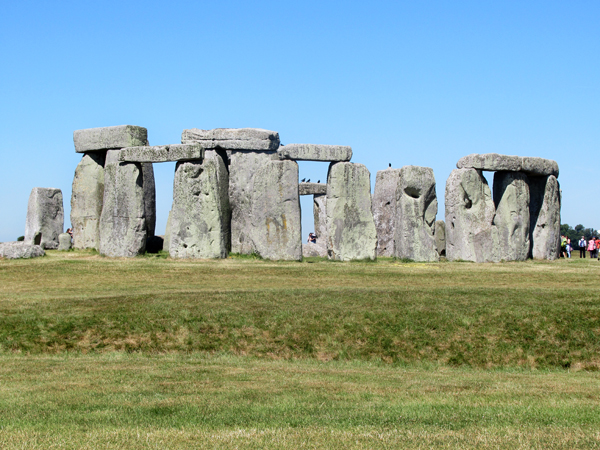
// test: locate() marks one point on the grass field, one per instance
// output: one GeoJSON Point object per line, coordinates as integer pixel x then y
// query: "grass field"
{"type": "Point", "coordinates": [156, 353]}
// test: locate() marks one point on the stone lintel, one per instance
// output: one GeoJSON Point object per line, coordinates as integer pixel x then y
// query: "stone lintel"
{"type": "Point", "coordinates": [312, 188]}
{"type": "Point", "coordinates": [162, 153]}
{"type": "Point", "coordinates": [495, 162]}
{"type": "Point", "coordinates": [107, 138]}
{"type": "Point", "coordinates": [312, 152]}
{"type": "Point", "coordinates": [248, 139]}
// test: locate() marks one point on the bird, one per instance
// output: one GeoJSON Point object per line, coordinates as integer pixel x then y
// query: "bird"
{"type": "Point", "coordinates": [303, 180]}
{"type": "Point", "coordinates": [308, 181]}
{"type": "Point", "coordinates": [319, 181]}
{"type": "Point", "coordinates": [390, 165]}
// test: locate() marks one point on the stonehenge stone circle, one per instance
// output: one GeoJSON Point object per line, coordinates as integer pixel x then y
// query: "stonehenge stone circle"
{"type": "Point", "coordinates": [199, 220]}
{"type": "Point", "coordinates": [149, 198]}
{"type": "Point", "coordinates": [544, 228]}
{"type": "Point", "coordinates": [416, 206]}
{"type": "Point", "coordinates": [505, 163]}
{"type": "Point", "coordinates": [351, 230]}
{"type": "Point", "coordinates": [17, 250]}
{"type": "Point", "coordinates": [275, 212]}
{"type": "Point", "coordinates": [45, 215]}
{"type": "Point", "coordinates": [312, 189]}
{"type": "Point", "coordinates": [312, 152]}
{"type": "Point", "coordinates": [109, 138]}
{"type": "Point", "coordinates": [384, 210]}
{"type": "Point", "coordinates": [123, 230]}
{"type": "Point", "coordinates": [470, 211]}
{"type": "Point", "coordinates": [440, 237]}
{"type": "Point", "coordinates": [162, 153]}
{"type": "Point", "coordinates": [64, 241]}
{"type": "Point", "coordinates": [248, 139]}
{"type": "Point", "coordinates": [511, 197]}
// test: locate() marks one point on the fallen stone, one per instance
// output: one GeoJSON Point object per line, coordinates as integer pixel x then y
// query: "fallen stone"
{"type": "Point", "coordinates": [275, 219]}
{"type": "Point", "coordinates": [470, 210]}
{"type": "Point", "coordinates": [351, 233]}
{"type": "Point", "coordinates": [384, 210]}
{"type": "Point", "coordinates": [17, 250]}
{"type": "Point", "coordinates": [108, 138]}
{"type": "Point", "coordinates": [249, 139]}
{"type": "Point", "coordinates": [163, 153]}
{"type": "Point", "coordinates": [64, 242]}
{"type": "Point", "coordinates": [199, 220]}
{"type": "Point", "coordinates": [496, 163]}
{"type": "Point", "coordinates": [544, 208]}
{"type": "Point", "coordinates": [45, 215]}
{"type": "Point", "coordinates": [312, 189]}
{"type": "Point", "coordinates": [312, 152]}
{"type": "Point", "coordinates": [511, 197]}
{"type": "Point", "coordinates": [416, 206]}
{"type": "Point", "coordinates": [123, 230]}
{"type": "Point", "coordinates": [86, 200]}
{"type": "Point", "coordinates": [149, 198]}
{"type": "Point", "coordinates": [242, 170]}
{"type": "Point", "coordinates": [440, 237]}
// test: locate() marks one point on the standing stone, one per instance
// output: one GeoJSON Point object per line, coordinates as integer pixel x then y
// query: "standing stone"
{"type": "Point", "coordinates": [86, 200]}
{"type": "Point", "coordinates": [416, 206]}
{"type": "Point", "coordinates": [123, 229]}
{"type": "Point", "coordinates": [470, 233]}
{"type": "Point", "coordinates": [440, 237]}
{"type": "Point", "coordinates": [242, 170]}
{"type": "Point", "coordinates": [64, 241]}
{"type": "Point", "coordinates": [276, 230]}
{"type": "Point", "coordinates": [384, 209]}
{"type": "Point", "coordinates": [544, 228]}
{"type": "Point", "coordinates": [45, 215]}
{"type": "Point", "coordinates": [511, 196]}
{"type": "Point", "coordinates": [167, 238]}
{"type": "Point", "coordinates": [199, 220]}
{"type": "Point", "coordinates": [318, 248]}
{"type": "Point", "coordinates": [149, 198]}
{"type": "Point", "coordinates": [351, 230]}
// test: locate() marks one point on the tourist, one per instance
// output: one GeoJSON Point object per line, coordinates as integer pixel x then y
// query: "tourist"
{"type": "Point", "coordinates": [592, 247]}
{"type": "Point", "coordinates": [569, 248]}
{"type": "Point", "coordinates": [563, 246]}
{"type": "Point", "coordinates": [582, 246]}
{"type": "Point", "coordinates": [597, 247]}
{"type": "Point", "coordinates": [312, 238]}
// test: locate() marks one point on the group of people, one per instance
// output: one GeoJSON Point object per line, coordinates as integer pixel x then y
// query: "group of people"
{"type": "Point", "coordinates": [591, 246]}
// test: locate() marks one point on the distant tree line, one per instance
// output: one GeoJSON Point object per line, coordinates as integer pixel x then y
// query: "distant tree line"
{"type": "Point", "coordinates": [575, 233]}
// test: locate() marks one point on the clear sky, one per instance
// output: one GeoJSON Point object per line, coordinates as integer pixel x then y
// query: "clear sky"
{"type": "Point", "coordinates": [402, 82]}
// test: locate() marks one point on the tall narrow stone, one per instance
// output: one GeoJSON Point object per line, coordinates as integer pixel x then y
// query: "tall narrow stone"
{"type": "Point", "coordinates": [440, 237]}
{"type": "Point", "coordinates": [45, 216]}
{"type": "Point", "coordinates": [384, 209]}
{"type": "Point", "coordinates": [86, 200]}
{"type": "Point", "coordinates": [275, 218]}
{"type": "Point", "coordinates": [149, 198]}
{"type": "Point", "coordinates": [470, 233]}
{"type": "Point", "coordinates": [167, 238]}
{"type": "Point", "coordinates": [544, 228]}
{"type": "Point", "coordinates": [351, 232]}
{"type": "Point", "coordinates": [123, 230]}
{"type": "Point", "coordinates": [511, 197]}
{"type": "Point", "coordinates": [199, 220]}
{"type": "Point", "coordinates": [416, 206]}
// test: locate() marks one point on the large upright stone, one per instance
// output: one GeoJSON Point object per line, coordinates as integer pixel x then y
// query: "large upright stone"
{"type": "Point", "coordinates": [351, 233]}
{"type": "Point", "coordinates": [45, 215]}
{"type": "Point", "coordinates": [149, 198]}
{"type": "Point", "coordinates": [470, 233]}
{"type": "Point", "coordinates": [544, 210]}
{"type": "Point", "coordinates": [167, 238]}
{"type": "Point", "coordinates": [199, 221]}
{"type": "Point", "coordinates": [384, 209]}
{"type": "Point", "coordinates": [242, 170]}
{"type": "Point", "coordinates": [86, 200]}
{"type": "Point", "coordinates": [511, 197]}
{"type": "Point", "coordinates": [507, 163]}
{"type": "Point", "coordinates": [312, 152]}
{"type": "Point", "coordinates": [64, 242]}
{"type": "Point", "coordinates": [123, 230]}
{"type": "Point", "coordinates": [245, 139]}
{"type": "Point", "coordinates": [107, 138]}
{"type": "Point", "coordinates": [416, 206]}
{"type": "Point", "coordinates": [440, 237]}
{"type": "Point", "coordinates": [275, 218]}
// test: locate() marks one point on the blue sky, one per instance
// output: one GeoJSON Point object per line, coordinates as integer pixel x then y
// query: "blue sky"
{"type": "Point", "coordinates": [421, 83]}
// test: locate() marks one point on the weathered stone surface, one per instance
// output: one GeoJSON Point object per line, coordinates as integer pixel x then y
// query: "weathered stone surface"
{"type": "Point", "coordinates": [384, 210]}
{"type": "Point", "coordinates": [495, 162]}
{"type": "Point", "coordinates": [511, 197]}
{"type": "Point", "coordinates": [252, 139]}
{"type": "Point", "coordinates": [310, 249]}
{"type": "Point", "coordinates": [416, 208]}
{"type": "Point", "coordinates": [440, 237]}
{"type": "Point", "coordinates": [86, 200]}
{"type": "Point", "coordinates": [64, 241]}
{"type": "Point", "coordinates": [17, 250]}
{"type": "Point", "coordinates": [199, 220]}
{"type": "Point", "coordinates": [242, 170]}
{"type": "Point", "coordinates": [544, 208]}
{"type": "Point", "coordinates": [163, 153]}
{"type": "Point", "coordinates": [123, 230]}
{"type": "Point", "coordinates": [167, 237]}
{"type": "Point", "coordinates": [320, 221]}
{"type": "Point", "coordinates": [470, 210]}
{"type": "Point", "coordinates": [107, 138]}
{"type": "Point", "coordinates": [275, 219]}
{"type": "Point", "coordinates": [312, 152]}
{"type": "Point", "coordinates": [149, 198]}
{"type": "Point", "coordinates": [312, 189]}
{"type": "Point", "coordinates": [45, 215]}
{"type": "Point", "coordinates": [351, 233]}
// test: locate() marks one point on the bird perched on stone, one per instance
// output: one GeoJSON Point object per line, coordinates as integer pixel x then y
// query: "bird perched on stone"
{"type": "Point", "coordinates": [308, 181]}
{"type": "Point", "coordinates": [318, 181]}
{"type": "Point", "coordinates": [303, 180]}
{"type": "Point", "coordinates": [390, 165]}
